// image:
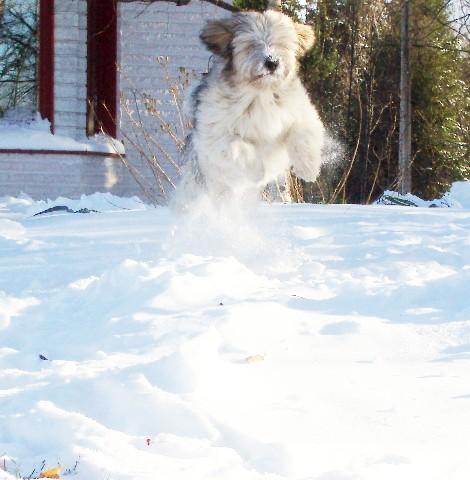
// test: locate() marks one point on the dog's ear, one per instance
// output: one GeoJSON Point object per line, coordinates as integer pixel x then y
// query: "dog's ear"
{"type": "Point", "coordinates": [306, 38]}
{"type": "Point", "coordinates": [217, 35]}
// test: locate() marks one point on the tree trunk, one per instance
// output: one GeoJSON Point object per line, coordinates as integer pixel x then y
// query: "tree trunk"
{"type": "Point", "coordinates": [404, 153]}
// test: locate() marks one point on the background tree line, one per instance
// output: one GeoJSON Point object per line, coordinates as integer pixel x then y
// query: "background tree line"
{"type": "Point", "coordinates": [353, 76]}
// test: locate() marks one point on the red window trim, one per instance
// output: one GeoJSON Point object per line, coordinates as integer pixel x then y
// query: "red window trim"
{"type": "Point", "coordinates": [46, 61]}
{"type": "Point", "coordinates": [102, 98]}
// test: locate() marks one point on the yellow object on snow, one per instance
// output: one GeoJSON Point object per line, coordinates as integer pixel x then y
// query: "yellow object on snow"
{"type": "Point", "coordinates": [51, 473]}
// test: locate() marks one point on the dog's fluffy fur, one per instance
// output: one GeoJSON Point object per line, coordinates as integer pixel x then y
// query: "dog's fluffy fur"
{"type": "Point", "coordinates": [252, 117]}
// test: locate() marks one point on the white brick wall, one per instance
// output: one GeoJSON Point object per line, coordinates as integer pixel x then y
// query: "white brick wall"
{"type": "Point", "coordinates": [70, 67]}
{"type": "Point", "coordinates": [49, 176]}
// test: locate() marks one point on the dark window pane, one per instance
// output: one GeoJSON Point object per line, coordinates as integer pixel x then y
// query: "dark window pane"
{"type": "Point", "coordinates": [102, 68]}
{"type": "Point", "coordinates": [18, 55]}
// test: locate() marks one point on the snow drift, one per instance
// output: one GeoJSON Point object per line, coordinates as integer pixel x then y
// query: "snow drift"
{"type": "Point", "coordinates": [313, 342]}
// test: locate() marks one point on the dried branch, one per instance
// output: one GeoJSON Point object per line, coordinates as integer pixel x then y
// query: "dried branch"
{"type": "Point", "coordinates": [342, 184]}
{"type": "Point", "coordinates": [149, 123]}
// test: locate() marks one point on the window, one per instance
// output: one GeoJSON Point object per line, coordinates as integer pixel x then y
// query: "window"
{"type": "Point", "coordinates": [18, 56]}
{"type": "Point", "coordinates": [26, 58]}
{"type": "Point", "coordinates": [102, 67]}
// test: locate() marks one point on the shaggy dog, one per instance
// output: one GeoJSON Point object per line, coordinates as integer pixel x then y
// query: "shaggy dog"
{"type": "Point", "coordinates": [252, 117]}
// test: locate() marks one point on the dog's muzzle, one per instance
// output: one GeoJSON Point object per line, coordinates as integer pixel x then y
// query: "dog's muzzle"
{"type": "Point", "coordinates": [271, 64]}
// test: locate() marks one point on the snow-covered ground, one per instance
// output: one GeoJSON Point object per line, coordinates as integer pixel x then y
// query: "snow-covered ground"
{"type": "Point", "coordinates": [307, 343]}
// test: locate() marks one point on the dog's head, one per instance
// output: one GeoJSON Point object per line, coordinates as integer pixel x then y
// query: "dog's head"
{"type": "Point", "coordinates": [261, 49]}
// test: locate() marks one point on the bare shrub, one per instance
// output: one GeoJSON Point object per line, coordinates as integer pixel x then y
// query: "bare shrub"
{"type": "Point", "coordinates": [155, 128]}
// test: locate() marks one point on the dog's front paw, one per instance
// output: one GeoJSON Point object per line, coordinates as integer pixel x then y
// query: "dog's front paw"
{"type": "Point", "coordinates": [309, 173]}
{"type": "Point", "coordinates": [305, 150]}
{"type": "Point", "coordinates": [306, 160]}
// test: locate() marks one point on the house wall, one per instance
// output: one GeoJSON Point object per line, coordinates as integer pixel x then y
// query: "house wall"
{"type": "Point", "coordinates": [44, 176]}
{"type": "Point", "coordinates": [58, 174]}
{"type": "Point", "coordinates": [146, 33]}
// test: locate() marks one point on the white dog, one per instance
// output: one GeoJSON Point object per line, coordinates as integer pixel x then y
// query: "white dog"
{"type": "Point", "coordinates": [252, 117]}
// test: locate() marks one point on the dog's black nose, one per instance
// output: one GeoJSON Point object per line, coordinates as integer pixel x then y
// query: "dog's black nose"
{"type": "Point", "coordinates": [271, 64]}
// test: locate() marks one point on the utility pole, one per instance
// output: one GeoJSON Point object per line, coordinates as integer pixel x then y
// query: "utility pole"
{"type": "Point", "coordinates": [404, 153]}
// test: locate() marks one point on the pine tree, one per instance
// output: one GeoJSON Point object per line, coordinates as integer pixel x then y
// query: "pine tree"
{"type": "Point", "coordinates": [441, 102]}
{"type": "Point", "coordinates": [353, 73]}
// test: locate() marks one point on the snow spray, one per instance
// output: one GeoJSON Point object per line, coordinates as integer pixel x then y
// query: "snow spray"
{"type": "Point", "coordinates": [221, 224]}
{"type": "Point", "coordinates": [235, 222]}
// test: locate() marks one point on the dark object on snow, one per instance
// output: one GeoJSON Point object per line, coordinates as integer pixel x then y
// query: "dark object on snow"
{"type": "Point", "coordinates": [86, 210]}
{"type": "Point", "coordinates": [63, 208]}
{"type": "Point", "coordinates": [58, 208]}
{"type": "Point", "coordinates": [392, 200]}
{"type": "Point", "coordinates": [42, 357]}
{"type": "Point", "coordinates": [221, 304]}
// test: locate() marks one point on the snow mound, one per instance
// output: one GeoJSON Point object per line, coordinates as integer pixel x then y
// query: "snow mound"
{"type": "Point", "coordinates": [458, 197]}
{"type": "Point", "coordinates": [25, 206]}
{"type": "Point", "coordinates": [390, 197]}
{"type": "Point", "coordinates": [334, 344]}
{"type": "Point", "coordinates": [11, 307]}
{"type": "Point", "coordinates": [460, 194]}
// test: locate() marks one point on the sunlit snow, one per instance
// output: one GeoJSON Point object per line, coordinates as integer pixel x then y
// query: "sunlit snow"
{"type": "Point", "coordinates": [311, 342]}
